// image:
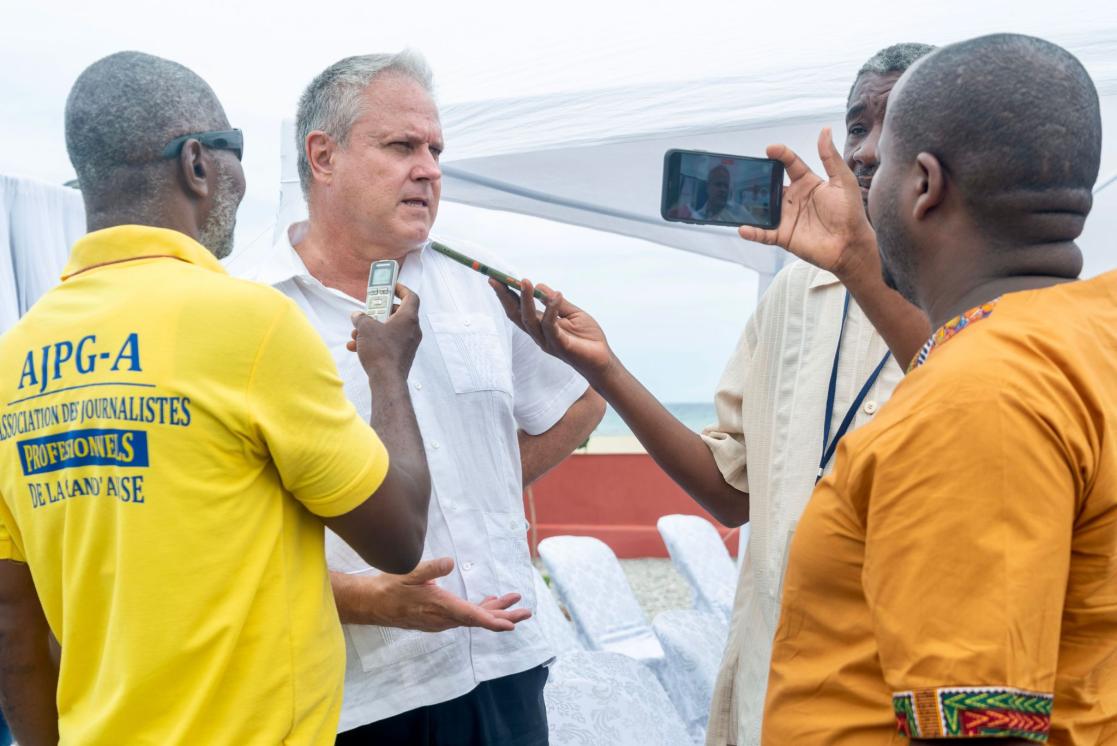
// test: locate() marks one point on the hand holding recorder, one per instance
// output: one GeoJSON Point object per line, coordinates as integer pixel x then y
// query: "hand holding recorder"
{"type": "Point", "coordinates": [388, 346]}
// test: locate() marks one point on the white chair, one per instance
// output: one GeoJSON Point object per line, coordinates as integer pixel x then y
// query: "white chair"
{"type": "Point", "coordinates": [599, 699]}
{"type": "Point", "coordinates": [699, 555]}
{"type": "Point", "coordinates": [558, 630]}
{"type": "Point", "coordinates": [694, 643]}
{"type": "Point", "coordinates": [592, 586]}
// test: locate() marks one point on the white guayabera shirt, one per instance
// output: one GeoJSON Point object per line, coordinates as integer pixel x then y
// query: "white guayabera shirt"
{"type": "Point", "coordinates": [771, 402]}
{"type": "Point", "coordinates": [476, 379]}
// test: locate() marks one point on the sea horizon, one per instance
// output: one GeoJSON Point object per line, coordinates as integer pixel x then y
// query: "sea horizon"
{"type": "Point", "coordinates": [695, 415]}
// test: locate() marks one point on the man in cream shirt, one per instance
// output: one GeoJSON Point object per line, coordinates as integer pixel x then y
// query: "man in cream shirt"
{"type": "Point", "coordinates": [809, 367]}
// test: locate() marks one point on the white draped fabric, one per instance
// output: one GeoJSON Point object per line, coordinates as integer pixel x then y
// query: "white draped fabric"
{"type": "Point", "coordinates": [38, 224]}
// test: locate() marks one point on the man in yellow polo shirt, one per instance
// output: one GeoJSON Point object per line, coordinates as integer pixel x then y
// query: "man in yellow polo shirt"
{"type": "Point", "coordinates": [172, 441]}
{"type": "Point", "coordinates": [955, 577]}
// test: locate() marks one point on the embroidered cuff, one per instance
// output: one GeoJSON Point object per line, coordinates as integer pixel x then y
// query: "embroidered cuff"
{"type": "Point", "coordinates": [973, 711]}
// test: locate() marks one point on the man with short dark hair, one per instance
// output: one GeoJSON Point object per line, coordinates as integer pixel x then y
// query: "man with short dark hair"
{"type": "Point", "coordinates": [956, 575]}
{"type": "Point", "coordinates": [172, 441]}
{"type": "Point", "coordinates": [809, 367]}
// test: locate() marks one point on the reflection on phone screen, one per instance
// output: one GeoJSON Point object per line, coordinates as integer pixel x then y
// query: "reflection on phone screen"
{"type": "Point", "coordinates": [721, 189]}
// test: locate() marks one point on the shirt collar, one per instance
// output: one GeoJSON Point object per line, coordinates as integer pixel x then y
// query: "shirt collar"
{"type": "Point", "coordinates": [283, 263]}
{"type": "Point", "coordinates": [822, 278]}
{"type": "Point", "coordinates": [122, 243]}
{"type": "Point", "coordinates": [947, 331]}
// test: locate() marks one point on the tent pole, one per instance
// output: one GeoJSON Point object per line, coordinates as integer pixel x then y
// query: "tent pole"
{"type": "Point", "coordinates": [1106, 182]}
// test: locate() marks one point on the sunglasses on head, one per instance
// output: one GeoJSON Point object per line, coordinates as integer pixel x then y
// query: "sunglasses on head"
{"type": "Point", "coordinates": [232, 140]}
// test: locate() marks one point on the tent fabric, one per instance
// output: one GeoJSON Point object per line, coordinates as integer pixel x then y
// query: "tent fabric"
{"type": "Point", "coordinates": [38, 224]}
{"type": "Point", "coordinates": [594, 158]}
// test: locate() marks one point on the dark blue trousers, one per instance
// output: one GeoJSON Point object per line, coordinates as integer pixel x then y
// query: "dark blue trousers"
{"type": "Point", "coordinates": [508, 711]}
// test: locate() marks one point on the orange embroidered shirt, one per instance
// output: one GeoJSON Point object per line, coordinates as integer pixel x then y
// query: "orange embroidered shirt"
{"type": "Point", "coordinates": [956, 575]}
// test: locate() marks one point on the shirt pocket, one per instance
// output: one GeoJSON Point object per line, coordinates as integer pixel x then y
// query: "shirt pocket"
{"type": "Point", "coordinates": [506, 532]}
{"type": "Point", "coordinates": [474, 350]}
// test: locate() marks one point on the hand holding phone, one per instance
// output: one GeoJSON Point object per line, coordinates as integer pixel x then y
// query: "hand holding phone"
{"type": "Point", "coordinates": [824, 222]}
{"type": "Point", "coordinates": [717, 189]}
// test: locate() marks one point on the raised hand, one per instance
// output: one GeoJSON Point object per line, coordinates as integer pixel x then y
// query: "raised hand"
{"type": "Point", "coordinates": [562, 329]}
{"type": "Point", "coordinates": [821, 222]}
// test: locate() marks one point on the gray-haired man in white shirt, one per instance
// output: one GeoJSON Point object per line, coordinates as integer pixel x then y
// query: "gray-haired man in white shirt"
{"type": "Point", "coordinates": [437, 656]}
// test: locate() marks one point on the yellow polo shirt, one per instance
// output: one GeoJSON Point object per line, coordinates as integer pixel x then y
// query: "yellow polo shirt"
{"type": "Point", "coordinates": [956, 575]}
{"type": "Point", "coordinates": [169, 436]}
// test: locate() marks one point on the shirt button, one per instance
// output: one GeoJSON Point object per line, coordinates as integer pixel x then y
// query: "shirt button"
{"type": "Point", "coordinates": [466, 322]}
{"type": "Point", "coordinates": [870, 407]}
{"type": "Point", "coordinates": [467, 565]}
{"type": "Point", "coordinates": [418, 386]}
{"type": "Point", "coordinates": [434, 444]}
{"type": "Point", "coordinates": [512, 524]}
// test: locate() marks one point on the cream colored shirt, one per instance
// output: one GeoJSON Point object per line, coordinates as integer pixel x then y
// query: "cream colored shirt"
{"type": "Point", "coordinates": [770, 403]}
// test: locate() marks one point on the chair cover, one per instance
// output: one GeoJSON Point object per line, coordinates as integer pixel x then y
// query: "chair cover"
{"type": "Point", "coordinates": [693, 642]}
{"type": "Point", "coordinates": [556, 627]}
{"type": "Point", "coordinates": [606, 699]}
{"type": "Point", "coordinates": [700, 556]}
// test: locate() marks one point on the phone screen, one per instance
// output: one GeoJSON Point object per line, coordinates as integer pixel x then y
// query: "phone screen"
{"type": "Point", "coordinates": [711, 188]}
{"type": "Point", "coordinates": [381, 275]}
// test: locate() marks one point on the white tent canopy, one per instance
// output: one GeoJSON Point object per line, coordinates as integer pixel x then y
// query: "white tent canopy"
{"type": "Point", "coordinates": [594, 158]}
{"type": "Point", "coordinates": [561, 112]}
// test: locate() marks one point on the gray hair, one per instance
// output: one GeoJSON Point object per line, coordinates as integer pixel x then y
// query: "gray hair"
{"type": "Point", "coordinates": [332, 101]}
{"type": "Point", "coordinates": [894, 59]}
{"type": "Point", "coordinates": [122, 111]}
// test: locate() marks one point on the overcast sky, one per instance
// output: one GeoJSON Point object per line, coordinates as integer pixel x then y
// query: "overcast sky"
{"type": "Point", "coordinates": [674, 317]}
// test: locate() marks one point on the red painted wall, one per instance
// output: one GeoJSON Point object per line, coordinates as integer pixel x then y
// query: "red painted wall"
{"type": "Point", "coordinates": [615, 497]}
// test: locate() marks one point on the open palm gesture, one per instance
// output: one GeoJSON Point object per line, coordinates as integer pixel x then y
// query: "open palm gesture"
{"type": "Point", "coordinates": [821, 222]}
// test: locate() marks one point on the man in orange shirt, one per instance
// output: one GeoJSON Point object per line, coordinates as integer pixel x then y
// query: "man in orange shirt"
{"type": "Point", "coordinates": [955, 577]}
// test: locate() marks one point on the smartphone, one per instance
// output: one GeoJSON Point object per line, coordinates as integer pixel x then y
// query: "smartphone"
{"type": "Point", "coordinates": [381, 289]}
{"type": "Point", "coordinates": [719, 189]}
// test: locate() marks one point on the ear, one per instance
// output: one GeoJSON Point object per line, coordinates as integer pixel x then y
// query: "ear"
{"type": "Point", "coordinates": [931, 189]}
{"type": "Point", "coordinates": [320, 149]}
{"type": "Point", "coordinates": [193, 169]}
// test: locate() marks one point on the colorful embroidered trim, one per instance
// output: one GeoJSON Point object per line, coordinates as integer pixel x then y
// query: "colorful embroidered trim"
{"type": "Point", "coordinates": [949, 329]}
{"type": "Point", "coordinates": [979, 712]}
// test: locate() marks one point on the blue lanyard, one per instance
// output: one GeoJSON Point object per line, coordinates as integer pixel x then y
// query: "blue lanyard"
{"type": "Point", "coordinates": [830, 446]}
